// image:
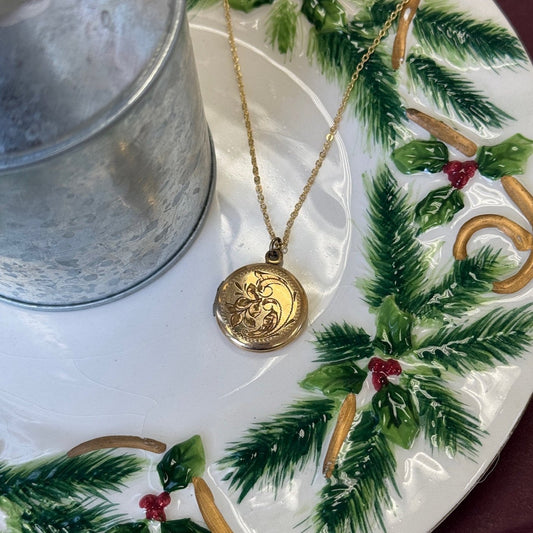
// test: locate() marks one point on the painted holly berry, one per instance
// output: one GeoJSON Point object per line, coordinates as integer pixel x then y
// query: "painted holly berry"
{"type": "Point", "coordinates": [460, 172]}
{"type": "Point", "coordinates": [155, 506]}
{"type": "Point", "coordinates": [381, 370]}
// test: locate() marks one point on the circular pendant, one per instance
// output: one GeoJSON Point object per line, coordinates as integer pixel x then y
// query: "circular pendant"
{"type": "Point", "coordinates": [261, 307]}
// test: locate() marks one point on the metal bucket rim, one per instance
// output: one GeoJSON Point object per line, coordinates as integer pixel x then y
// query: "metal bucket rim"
{"type": "Point", "coordinates": [112, 112]}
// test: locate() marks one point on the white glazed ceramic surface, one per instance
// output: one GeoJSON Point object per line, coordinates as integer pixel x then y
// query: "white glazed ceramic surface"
{"type": "Point", "coordinates": [154, 364]}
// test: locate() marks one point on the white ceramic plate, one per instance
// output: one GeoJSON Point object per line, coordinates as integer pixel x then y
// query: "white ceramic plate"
{"type": "Point", "coordinates": [154, 364]}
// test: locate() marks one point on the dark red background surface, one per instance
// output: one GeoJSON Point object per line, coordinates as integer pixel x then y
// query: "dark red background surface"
{"type": "Point", "coordinates": [503, 502]}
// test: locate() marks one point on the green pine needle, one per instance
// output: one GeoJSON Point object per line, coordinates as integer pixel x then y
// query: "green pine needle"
{"type": "Point", "coordinates": [377, 102]}
{"type": "Point", "coordinates": [461, 289]}
{"type": "Point", "coordinates": [281, 25]}
{"type": "Point", "coordinates": [498, 337]}
{"type": "Point", "coordinates": [89, 475]}
{"type": "Point", "coordinates": [67, 516]}
{"type": "Point", "coordinates": [273, 451]}
{"type": "Point", "coordinates": [395, 254]}
{"type": "Point", "coordinates": [379, 12]}
{"type": "Point", "coordinates": [460, 39]}
{"type": "Point", "coordinates": [375, 97]}
{"type": "Point", "coordinates": [343, 342]}
{"type": "Point", "coordinates": [448, 426]}
{"type": "Point", "coordinates": [357, 493]}
{"type": "Point", "coordinates": [454, 95]}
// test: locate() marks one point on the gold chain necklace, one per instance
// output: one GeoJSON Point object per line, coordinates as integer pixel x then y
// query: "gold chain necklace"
{"type": "Point", "coordinates": [262, 306]}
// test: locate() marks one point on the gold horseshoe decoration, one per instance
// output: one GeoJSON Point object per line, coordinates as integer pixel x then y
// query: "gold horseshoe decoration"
{"type": "Point", "coordinates": [522, 239]}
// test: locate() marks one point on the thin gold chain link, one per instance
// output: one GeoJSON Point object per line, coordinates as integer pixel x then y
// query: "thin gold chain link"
{"type": "Point", "coordinates": [283, 243]}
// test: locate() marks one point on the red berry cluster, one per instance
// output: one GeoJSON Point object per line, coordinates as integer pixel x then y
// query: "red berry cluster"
{"type": "Point", "coordinates": [381, 370]}
{"type": "Point", "coordinates": [155, 506]}
{"type": "Point", "coordinates": [460, 172]}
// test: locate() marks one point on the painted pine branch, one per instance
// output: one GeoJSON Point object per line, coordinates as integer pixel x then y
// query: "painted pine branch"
{"type": "Point", "coordinates": [334, 54]}
{"type": "Point", "coordinates": [454, 95]}
{"type": "Point", "coordinates": [496, 338]}
{"type": "Point", "coordinates": [461, 289]}
{"type": "Point", "coordinates": [375, 97]}
{"type": "Point", "coordinates": [92, 475]}
{"type": "Point", "coordinates": [282, 25]}
{"type": "Point", "coordinates": [343, 342]}
{"type": "Point", "coordinates": [326, 16]}
{"type": "Point", "coordinates": [63, 516]}
{"type": "Point", "coordinates": [396, 256]}
{"type": "Point", "coordinates": [355, 496]}
{"type": "Point", "coordinates": [274, 450]}
{"type": "Point", "coordinates": [378, 104]}
{"type": "Point", "coordinates": [447, 424]}
{"type": "Point", "coordinates": [379, 11]}
{"type": "Point", "coordinates": [460, 39]}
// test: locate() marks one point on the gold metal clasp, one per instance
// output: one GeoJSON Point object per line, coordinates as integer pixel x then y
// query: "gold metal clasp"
{"type": "Point", "coordinates": [274, 256]}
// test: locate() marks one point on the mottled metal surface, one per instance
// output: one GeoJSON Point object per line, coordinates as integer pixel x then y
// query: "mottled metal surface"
{"type": "Point", "coordinates": [105, 172]}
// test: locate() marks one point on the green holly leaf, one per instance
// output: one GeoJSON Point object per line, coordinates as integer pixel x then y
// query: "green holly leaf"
{"type": "Point", "coordinates": [181, 463]}
{"type": "Point", "coordinates": [393, 327]}
{"type": "Point", "coordinates": [327, 16]}
{"type": "Point", "coordinates": [131, 527]}
{"type": "Point", "coordinates": [507, 158]}
{"type": "Point", "coordinates": [185, 525]}
{"type": "Point", "coordinates": [248, 5]}
{"type": "Point", "coordinates": [397, 414]}
{"type": "Point", "coordinates": [420, 156]}
{"type": "Point", "coordinates": [438, 207]}
{"type": "Point", "coordinates": [335, 379]}
{"type": "Point", "coordinates": [13, 513]}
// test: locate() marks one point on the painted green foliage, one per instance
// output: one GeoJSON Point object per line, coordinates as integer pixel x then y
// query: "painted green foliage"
{"type": "Point", "coordinates": [505, 158]}
{"type": "Point", "coordinates": [60, 494]}
{"type": "Point", "coordinates": [176, 470]}
{"type": "Point", "coordinates": [438, 207]}
{"type": "Point", "coordinates": [398, 416]}
{"type": "Point", "coordinates": [508, 157]}
{"type": "Point", "coordinates": [437, 65]}
{"type": "Point", "coordinates": [275, 450]}
{"type": "Point", "coordinates": [420, 156]}
{"type": "Point", "coordinates": [181, 463]}
{"type": "Point", "coordinates": [282, 24]}
{"type": "Point", "coordinates": [335, 380]}
{"type": "Point", "coordinates": [184, 525]}
{"type": "Point", "coordinates": [408, 367]}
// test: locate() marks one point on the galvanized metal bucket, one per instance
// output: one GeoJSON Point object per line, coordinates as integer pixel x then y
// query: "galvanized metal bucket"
{"type": "Point", "coordinates": [106, 162]}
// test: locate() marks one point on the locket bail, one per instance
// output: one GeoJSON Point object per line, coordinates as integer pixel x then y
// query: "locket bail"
{"type": "Point", "coordinates": [274, 256]}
